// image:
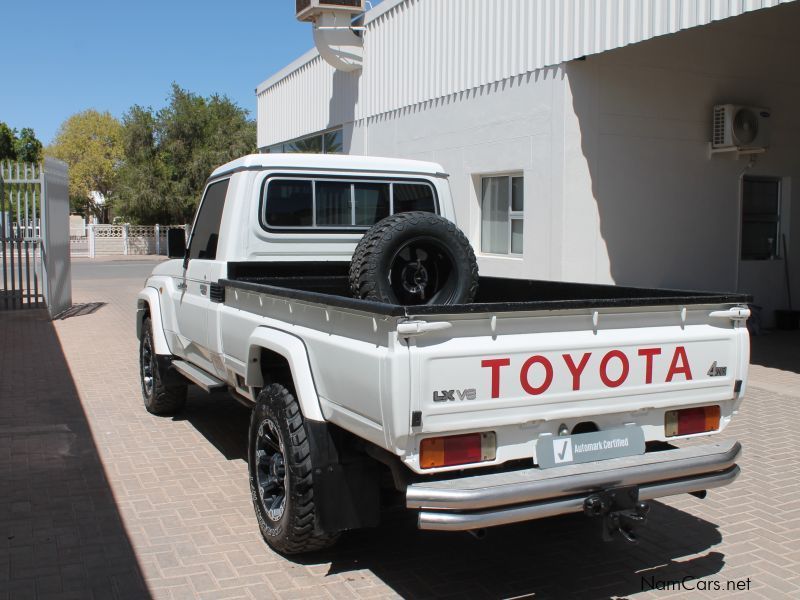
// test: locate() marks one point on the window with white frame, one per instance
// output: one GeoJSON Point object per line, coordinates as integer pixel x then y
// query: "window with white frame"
{"type": "Point", "coordinates": [502, 204]}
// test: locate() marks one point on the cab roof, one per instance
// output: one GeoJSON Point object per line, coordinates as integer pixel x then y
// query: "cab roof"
{"type": "Point", "coordinates": [329, 162]}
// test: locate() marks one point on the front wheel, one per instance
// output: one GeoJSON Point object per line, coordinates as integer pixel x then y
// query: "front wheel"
{"type": "Point", "coordinates": [281, 474]}
{"type": "Point", "coordinates": [160, 396]}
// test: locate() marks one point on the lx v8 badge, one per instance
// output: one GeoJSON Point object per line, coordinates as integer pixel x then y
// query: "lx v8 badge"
{"type": "Point", "coordinates": [716, 371]}
{"type": "Point", "coordinates": [453, 395]}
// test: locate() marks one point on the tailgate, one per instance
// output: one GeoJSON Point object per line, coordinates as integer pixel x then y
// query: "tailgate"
{"type": "Point", "coordinates": [526, 370]}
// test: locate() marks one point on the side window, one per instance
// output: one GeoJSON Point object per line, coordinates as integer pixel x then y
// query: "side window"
{"type": "Point", "coordinates": [289, 203]}
{"type": "Point", "coordinates": [413, 196]}
{"type": "Point", "coordinates": [333, 203]}
{"type": "Point", "coordinates": [372, 202]}
{"type": "Point", "coordinates": [206, 228]}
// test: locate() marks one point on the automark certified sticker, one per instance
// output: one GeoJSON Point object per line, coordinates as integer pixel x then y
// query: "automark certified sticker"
{"type": "Point", "coordinates": [588, 447]}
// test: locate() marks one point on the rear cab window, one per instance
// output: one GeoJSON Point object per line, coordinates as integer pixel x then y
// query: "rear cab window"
{"type": "Point", "coordinates": [331, 204]}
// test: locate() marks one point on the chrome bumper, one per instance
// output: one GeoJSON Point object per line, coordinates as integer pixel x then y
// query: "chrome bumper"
{"type": "Point", "coordinates": [478, 501]}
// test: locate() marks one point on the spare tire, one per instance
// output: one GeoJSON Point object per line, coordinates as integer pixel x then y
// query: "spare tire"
{"type": "Point", "coordinates": [414, 258]}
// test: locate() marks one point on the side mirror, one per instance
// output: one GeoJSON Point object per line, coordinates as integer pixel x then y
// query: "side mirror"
{"type": "Point", "coordinates": [176, 243]}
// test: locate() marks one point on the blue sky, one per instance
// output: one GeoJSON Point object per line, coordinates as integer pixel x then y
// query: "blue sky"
{"type": "Point", "coordinates": [63, 57]}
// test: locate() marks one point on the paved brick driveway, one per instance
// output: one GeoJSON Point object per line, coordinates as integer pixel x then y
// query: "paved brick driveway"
{"type": "Point", "coordinates": [100, 499]}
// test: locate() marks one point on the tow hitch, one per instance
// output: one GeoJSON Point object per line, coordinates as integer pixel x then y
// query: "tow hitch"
{"type": "Point", "coordinates": [620, 509]}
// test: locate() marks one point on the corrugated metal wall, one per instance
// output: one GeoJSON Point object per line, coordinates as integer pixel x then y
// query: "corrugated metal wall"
{"type": "Point", "coordinates": [419, 50]}
{"type": "Point", "coordinates": [300, 103]}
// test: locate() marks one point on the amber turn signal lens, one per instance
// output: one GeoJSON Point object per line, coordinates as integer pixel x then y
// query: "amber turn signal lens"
{"type": "Point", "coordinates": [451, 450]}
{"type": "Point", "coordinates": [691, 420]}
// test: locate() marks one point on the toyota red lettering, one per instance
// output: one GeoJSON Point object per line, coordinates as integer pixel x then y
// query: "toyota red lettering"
{"type": "Point", "coordinates": [548, 375]}
{"type": "Point", "coordinates": [649, 353]}
{"type": "Point", "coordinates": [495, 365]}
{"type": "Point", "coordinates": [576, 370]}
{"type": "Point", "coordinates": [619, 355]}
{"type": "Point", "coordinates": [537, 372]}
{"type": "Point", "coordinates": [683, 368]}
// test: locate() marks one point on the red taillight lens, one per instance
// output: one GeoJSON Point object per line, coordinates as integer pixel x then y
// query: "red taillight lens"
{"type": "Point", "coordinates": [457, 450]}
{"type": "Point", "coordinates": [691, 420]}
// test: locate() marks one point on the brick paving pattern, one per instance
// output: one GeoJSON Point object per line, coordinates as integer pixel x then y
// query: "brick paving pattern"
{"type": "Point", "coordinates": [99, 499]}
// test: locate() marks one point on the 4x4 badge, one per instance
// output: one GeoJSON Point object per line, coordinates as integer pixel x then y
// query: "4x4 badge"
{"type": "Point", "coordinates": [715, 371]}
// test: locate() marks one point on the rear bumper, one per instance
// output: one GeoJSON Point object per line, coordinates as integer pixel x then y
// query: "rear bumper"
{"type": "Point", "coordinates": [479, 501]}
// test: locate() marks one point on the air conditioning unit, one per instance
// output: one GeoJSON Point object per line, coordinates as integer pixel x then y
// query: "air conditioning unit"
{"type": "Point", "coordinates": [306, 10]}
{"type": "Point", "coordinates": [740, 127]}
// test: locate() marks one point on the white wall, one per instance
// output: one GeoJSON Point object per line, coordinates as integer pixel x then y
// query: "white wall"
{"type": "Point", "coordinates": [416, 51]}
{"type": "Point", "coordinates": [618, 183]}
{"type": "Point", "coordinates": [663, 213]}
{"type": "Point", "coordinates": [512, 126]}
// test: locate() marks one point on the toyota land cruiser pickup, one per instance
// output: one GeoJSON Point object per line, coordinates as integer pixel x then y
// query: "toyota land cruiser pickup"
{"type": "Point", "coordinates": [537, 398]}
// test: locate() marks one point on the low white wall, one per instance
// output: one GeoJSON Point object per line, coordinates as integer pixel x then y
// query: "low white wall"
{"type": "Point", "coordinates": [112, 240]}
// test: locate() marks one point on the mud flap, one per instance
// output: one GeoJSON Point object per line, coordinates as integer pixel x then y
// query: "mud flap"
{"type": "Point", "coordinates": [346, 483]}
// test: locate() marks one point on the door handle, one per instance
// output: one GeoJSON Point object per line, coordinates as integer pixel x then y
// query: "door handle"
{"type": "Point", "coordinates": [414, 328]}
{"type": "Point", "coordinates": [203, 289]}
{"type": "Point", "coordinates": [738, 313]}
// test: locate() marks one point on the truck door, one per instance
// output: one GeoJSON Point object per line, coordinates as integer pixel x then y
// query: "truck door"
{"type": "Point", "coordinates": [193, 304]}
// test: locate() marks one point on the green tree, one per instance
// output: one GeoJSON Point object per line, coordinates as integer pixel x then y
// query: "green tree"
{"type": "Point", "coordinates": [90, 142]}
{"type": "Point", "coordinates": [27, 147]}
{"type": "Point", "coordinates": [7, 139]}
{"type": "Point", "coordinates": [170, 154]}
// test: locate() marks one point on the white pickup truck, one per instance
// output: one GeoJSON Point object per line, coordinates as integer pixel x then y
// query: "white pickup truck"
{"type": "Point", "coordinates": [533, 399]}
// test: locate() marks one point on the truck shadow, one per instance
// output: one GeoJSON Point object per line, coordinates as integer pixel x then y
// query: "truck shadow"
{"type": "Point", "coordinates": [220, 419]}
{"type": "Point", "coordinates": [560, 557]}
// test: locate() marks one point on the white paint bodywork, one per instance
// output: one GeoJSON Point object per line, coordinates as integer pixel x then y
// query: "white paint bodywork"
{"type": "Point", "coordinates": [147, 298]}
{"type": "Point", "coordinates": [351, 367]}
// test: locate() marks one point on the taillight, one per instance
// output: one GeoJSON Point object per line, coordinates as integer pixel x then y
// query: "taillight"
{"type": "Point", "coordinates": [452, 450]}
{"type": "Point", "coordinates": [691, 420]}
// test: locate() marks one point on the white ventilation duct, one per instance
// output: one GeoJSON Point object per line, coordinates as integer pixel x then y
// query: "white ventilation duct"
{"type": "Point", "coordinates": [337, 41]}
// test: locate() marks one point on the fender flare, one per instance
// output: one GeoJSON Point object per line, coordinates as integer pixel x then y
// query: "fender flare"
{"type": "Point", "coordinates": [294, 351]}
{"type": "Point", "coordinates": [148, 298]}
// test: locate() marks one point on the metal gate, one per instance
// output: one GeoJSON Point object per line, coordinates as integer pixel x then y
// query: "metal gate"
{"type": "Point", "coordinates": [34, 209]}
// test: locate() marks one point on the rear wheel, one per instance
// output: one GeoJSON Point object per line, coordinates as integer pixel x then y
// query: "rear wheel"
{"type": "Point", "coordinates": [161, 397]}
{"type": "Point", "coordinates": [281, 474]}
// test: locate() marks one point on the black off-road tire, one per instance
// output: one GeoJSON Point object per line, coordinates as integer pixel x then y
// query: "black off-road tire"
{"type": "Point", "coordinates": [449, 274]}
{"type": "Point", "coordinates": [164, 391]}
{"type": "Point", "coordinates": [290, 527]}
{"type": "Point", "coordinates": [358, 257]}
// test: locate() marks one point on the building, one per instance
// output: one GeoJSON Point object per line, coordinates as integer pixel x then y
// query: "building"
{"type": "Point", "coordinates": [577, 133]}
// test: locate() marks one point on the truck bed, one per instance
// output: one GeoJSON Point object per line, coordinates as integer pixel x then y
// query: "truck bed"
{"type": "Point", "coordinates": [642, 353]}
{"type": "Point", "coordinates": [327, 283]}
